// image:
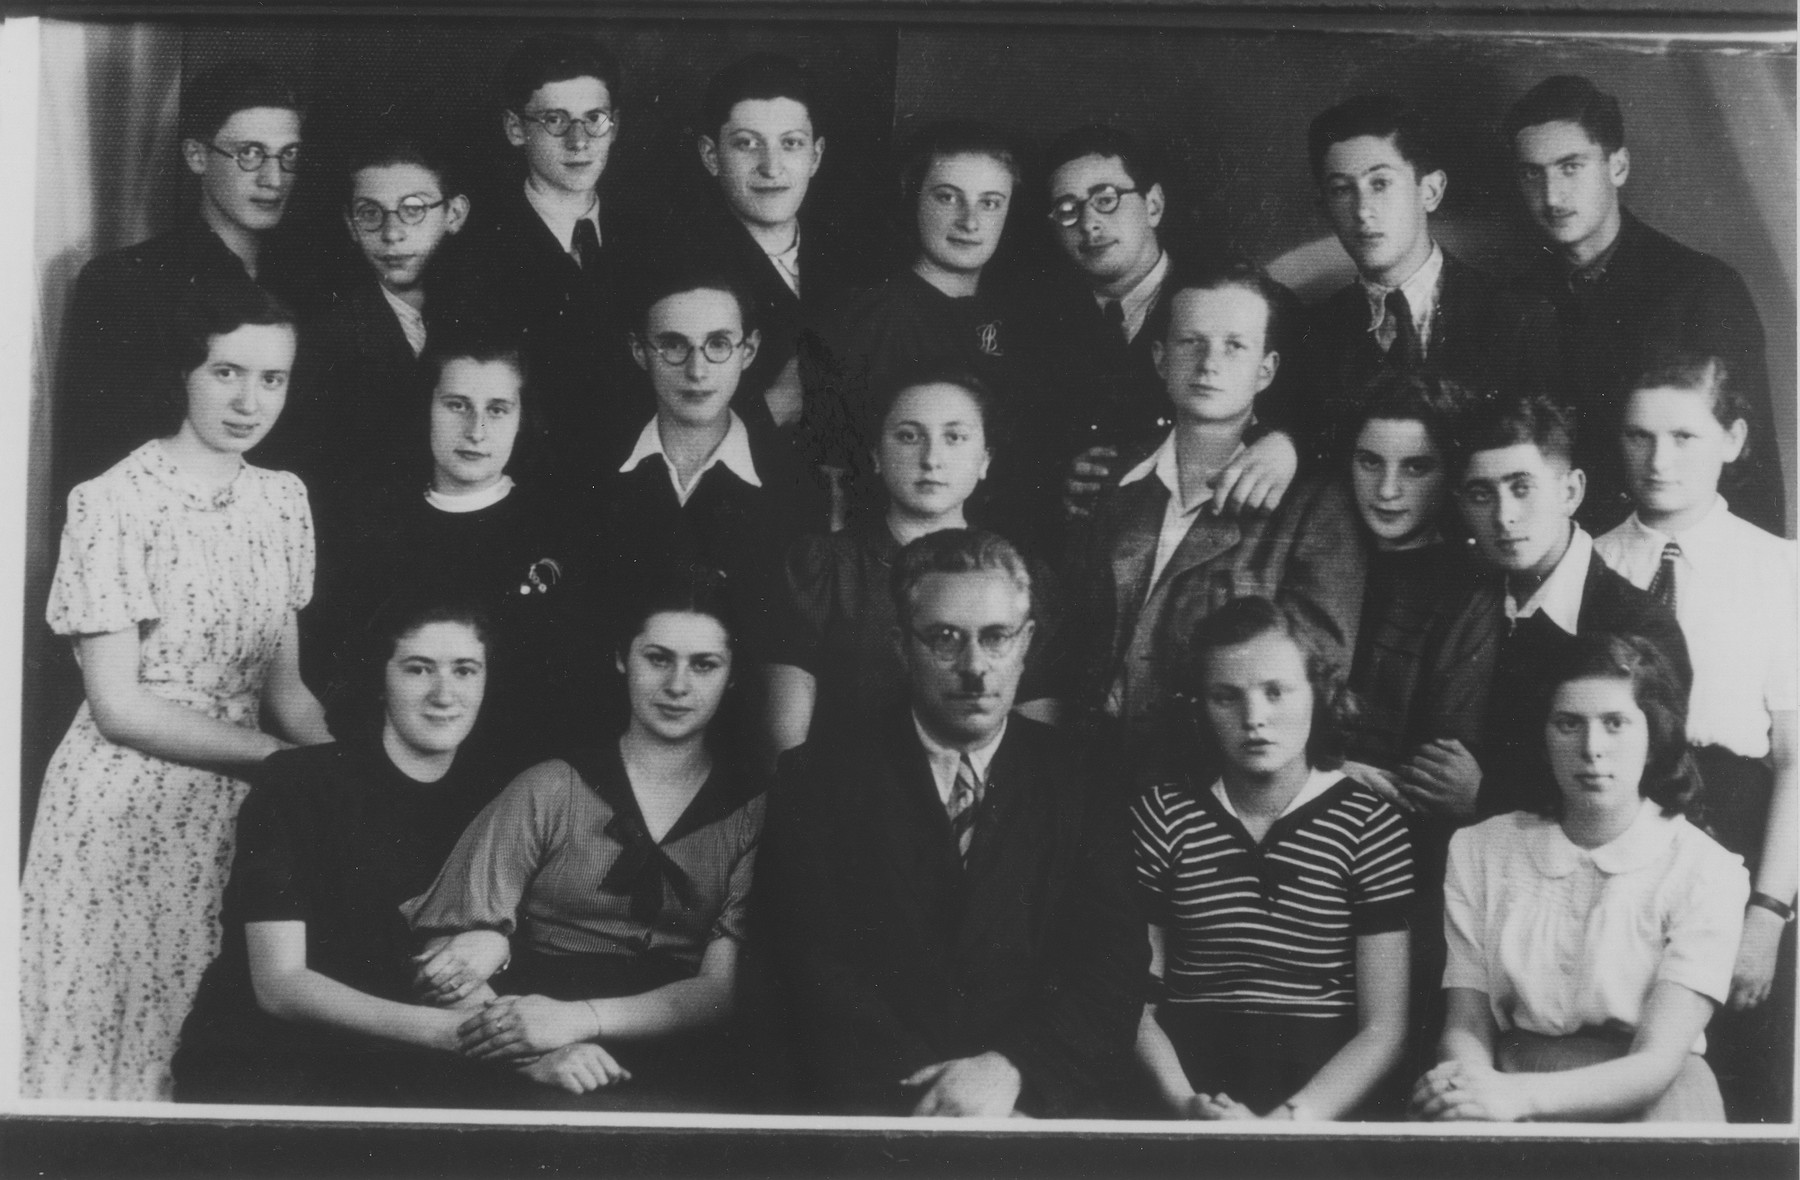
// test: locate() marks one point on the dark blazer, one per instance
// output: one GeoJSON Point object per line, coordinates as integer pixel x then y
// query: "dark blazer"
{"type": "Point", "coordinates": [1308, 554]}
{"type": "Point", "coordinates": [1485, 332]}
{"type": "Point", "coordinates": [115, 347]}
{"type": "Point", "coordinates": [355, 415]}
{"type": "Point", "coordinates": [1654, 293]}
{"type": "Point", "coordinates": [707, 232]}
{"type": "Point", "coordinates": [573, 325]}
{"type": "Point", "coordinates": [1515, 770]}
{"type": "Point", "coordinates": [892, 956]}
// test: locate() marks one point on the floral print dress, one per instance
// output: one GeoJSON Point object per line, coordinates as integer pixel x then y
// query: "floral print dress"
{"type": "Point", "coordinates": [130, 853]}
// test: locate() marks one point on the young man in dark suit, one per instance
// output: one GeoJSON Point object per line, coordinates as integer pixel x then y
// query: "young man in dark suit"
{"type": "Point", "coordinates": [949, 898]}
{"type": "Point", "coordinates": [1107, 206]}
{"type": "Point", "coordinates": [1519, 491]}
{"type": "Point", "coordinates": [761, 145]}
{"type": "Point", "coordinates": [1413, 302]}
{"type": "Point", "coordinates": [545, 251]}
{"type": "Point", "coordinates": [1624, 292]}
{"type": "Point", "coordinates": [240, 136]}
{"type": "Point", "coordinates": [355, 416]}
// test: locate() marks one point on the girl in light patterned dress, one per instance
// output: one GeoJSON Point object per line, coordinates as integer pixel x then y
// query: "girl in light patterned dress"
{"type": "Point", "coordinates": [180, 574]}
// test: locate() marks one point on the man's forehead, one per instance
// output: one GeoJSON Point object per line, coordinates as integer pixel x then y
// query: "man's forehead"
{"type": "Point", "coordinates": [1500, 464]}
{"type": "Point", "coordinates": [971, 599]}
{"type": "Point", "coordinates": [1557, 138]}
{"type": "Point", "coordinates": [1076, 177]}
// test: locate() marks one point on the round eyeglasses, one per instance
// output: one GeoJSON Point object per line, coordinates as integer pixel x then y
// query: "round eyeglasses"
{"type": "Point", "coordinates": [675, 350]}
{"type": "Point", "coordinates": [1104, 198]}
{"type": "Point", "coordinates": [252, 156]}
{"type": "Point", "coordinates": [557, 124]}
{"type": "Point", "coordinates": [947, 644]}
{"type": "Point", "coordinates": [370, 217]}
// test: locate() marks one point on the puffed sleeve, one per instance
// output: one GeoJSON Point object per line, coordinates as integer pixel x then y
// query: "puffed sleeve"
{"type": "Point", "coordinates": [296, 515]}
{"type": "Point", "coordinates": [1465, 964]}
{"type": "Point", "coordinates": [734, 915]}
{"type": "Point", "coordinates": [1153, 854]}
{"type": "Point", "coordinates": [102, 579]}
{"type": "Point", "coordinates": [1705, 919]}
{"type": "Point", "coordinates": [1382, 871]}
{"type": "Point", "coordinates": [484, 881]}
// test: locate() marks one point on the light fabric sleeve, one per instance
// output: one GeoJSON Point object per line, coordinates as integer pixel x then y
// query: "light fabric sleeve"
{"type": "Point", "coordinates": [1705, 920]}
{"type": "Point", "coordinates": [484, 881]}
{"type": "Point", "coordinates": [289, 496]}
{"type": "Point", "coordinates": [1781, 690]}
{"type": "Point", "coordinates": [102, 581]}
{"type": "Point", "coordinates": [1465, 959]}
{"type": "Point", "coordinates": [733, 921]}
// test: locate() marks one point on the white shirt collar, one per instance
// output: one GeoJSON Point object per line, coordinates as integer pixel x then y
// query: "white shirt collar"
{"type": "Point", "coordinates": [1317, 783]}
{"type": "Point", "coordinates": [412, 320]}
{"type": "Point", "coordinates": [1165, 463]}
{"type": "Point", "coordinates": [1136, 302]}
{"type": "Point", "coordinates": [1634, 848]}
{"type": "Point", "coordinates": [946, 760]}
{"type": "Point", "coordinates": [787, 263]}
{"type": "Point", "coordinates": [470, 501]}
{"type": "Point", "coordinates": [1420, 289]}
{"type": "Point", "coordinates": [733, 451]}
{"type": "Point", "coordinates": [1560, 595]}
{"type": "Point", "coordinates": [560, 224]}
{"type": "Point", "coordinates": [1698, 541]}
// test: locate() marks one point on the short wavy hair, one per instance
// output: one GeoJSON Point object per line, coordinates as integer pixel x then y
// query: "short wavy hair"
{"type": "Point", "coordinates": [1671, 779]}
{"type": "Point", "coordinates": [1236, 623]}
{"type": "Point", "coordinates": [356, 705]}
{"type": "Point", "coordinates": [956, 551]}
{"type": "Point", "coordinates": [215, 306]}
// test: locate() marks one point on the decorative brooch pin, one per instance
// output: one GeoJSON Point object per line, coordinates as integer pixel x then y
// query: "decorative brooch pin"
{"type": "Point", "coordinates": [544, 573]}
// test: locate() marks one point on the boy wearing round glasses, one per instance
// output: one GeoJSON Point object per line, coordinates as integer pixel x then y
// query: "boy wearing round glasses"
{"type": "Point", "coordinates": [546, 251]}
{"type": "Point", "coordinates": [240, 129]}
{"type": "Point", "coordinates": [698, 487]}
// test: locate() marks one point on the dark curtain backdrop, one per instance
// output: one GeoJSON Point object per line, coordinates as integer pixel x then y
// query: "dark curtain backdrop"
{"type": "Point", "coordinates": [1712, 134]}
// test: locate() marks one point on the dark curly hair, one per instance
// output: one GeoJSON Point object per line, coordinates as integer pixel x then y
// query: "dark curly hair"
{"type": "Point", "coordinates": [1671, 779]}
{"type": "Point", "coordinates": [1238, 622]}
{"type": "Point", "coordinates": [357, 705]}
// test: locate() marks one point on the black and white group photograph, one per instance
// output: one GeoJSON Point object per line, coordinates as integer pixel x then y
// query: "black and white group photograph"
{"type": "Point", "coordinates": [844, 588]}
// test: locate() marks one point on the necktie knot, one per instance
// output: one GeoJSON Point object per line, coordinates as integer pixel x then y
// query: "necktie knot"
{"type": "Point", "coordinates": [587, 244]}
{"type": "Point", "coordinates": [964, 803]}
{"type": "Point", "coordinates": [1398, 334]}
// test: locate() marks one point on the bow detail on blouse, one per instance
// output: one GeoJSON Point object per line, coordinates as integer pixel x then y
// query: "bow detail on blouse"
{"type": "Point", "coordinates": [643, 868]}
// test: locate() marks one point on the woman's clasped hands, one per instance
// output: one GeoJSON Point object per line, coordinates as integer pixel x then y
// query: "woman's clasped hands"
{"type": "Point", "coordinates": [1456, 1091]}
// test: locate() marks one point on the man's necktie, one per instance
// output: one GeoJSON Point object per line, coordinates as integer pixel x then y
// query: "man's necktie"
{"type": "Point", "coordinates": [1403, 345]}
{"type": "Point", "coordinates": [965, 801]}
{"type": "Point", "coordinates": [587, 244]}
{"type": "Point", "coordinates": [1662, 586]}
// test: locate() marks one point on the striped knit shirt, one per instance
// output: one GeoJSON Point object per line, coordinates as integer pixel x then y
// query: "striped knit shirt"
{"type": "Point", "coordinates": [1270, 928]}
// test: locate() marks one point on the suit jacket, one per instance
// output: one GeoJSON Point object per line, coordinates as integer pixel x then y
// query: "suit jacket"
{"type": "Point", "coordinates": [1515, 769]}
{"type": "Point", "coordinates": [593, 396]}
{"type": "Point", "coordinates": [1307, 554]}
{"type": "Point", "coordinates": [706, 230]}
{"type": "Point", "coordinates": [115, 346]}
{"type": "Point", "coordinates": [892, 956]}
{"type": "Point", "coordinates": [1652, 294]}
{"type": "Point", "coordinates": [1485, 333]}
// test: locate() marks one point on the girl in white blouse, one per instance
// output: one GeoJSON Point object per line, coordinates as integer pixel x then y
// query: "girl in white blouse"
{"type": "Point", "coordinates": [1589, 948]}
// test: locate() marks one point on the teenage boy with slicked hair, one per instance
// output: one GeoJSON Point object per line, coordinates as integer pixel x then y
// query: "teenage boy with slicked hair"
{"type": "Point", "coordinates": [239, 131]}
{"type": "Point", "coordinates": [1412, 301]}
{"type": "Point", "coordinates": [1624, 293]}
